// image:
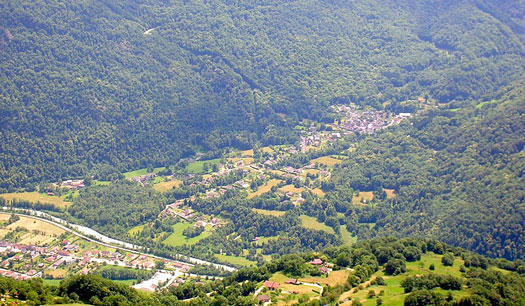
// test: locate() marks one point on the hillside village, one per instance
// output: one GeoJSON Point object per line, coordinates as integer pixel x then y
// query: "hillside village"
{"type": "Point", "coordinates": [252, 172]}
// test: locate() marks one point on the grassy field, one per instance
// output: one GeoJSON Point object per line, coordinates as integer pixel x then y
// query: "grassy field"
{"type": "Point", "coordinates": [167, 186]}
{"type": "Point", "coordinates": [291, 188]}
{"type": "Point", "coordinates": [236, 260]}
{"type": "Point", "coordinates": [298, 289]}
{"type": "Point", "coordinates": [267, 150]}
{"type": "Point", "coordinates": [264, 188]}
{"type": "Point", "coordinates": [318, 192]}
{"type": "Point", "coordinates": [142, 172]}
{"type": "Point", "coordinates": [276, 213]}
{"type": "Point", "coordinates": [136, 230]}
{"type": "Point", "coordinates": [335, 278]}
{"type": "Point", "coordinates": [39, 231]}
{"type": "Point", "coordinates": [248, 153]}
{"type": "Point", "coordinates": [34, 197]}
{"type": "Point", "coordinates": [56, 273]}
{"type": "Point", "coordinates": [390, 194]}
{"type": "Point", "coordinates": [312, 223]}
{"type": "Point", "coordinates": [326, 160]}
{"type": "Point", "coordinates": [198, 166]}
{"type": "Point", "coordinates": [177, 238]}
{"type": "Point", "coordinates": [245, 160]}
{"type": "Point", "coordinates": [367, 196]}
{"type": "Point", "coordinates": [394, 293]}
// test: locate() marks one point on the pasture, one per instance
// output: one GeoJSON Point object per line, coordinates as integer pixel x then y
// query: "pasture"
{"type": "Point", "coordinates": [35, 197]}
{"type": "Point", "coordinates": [264, 188]}
{"type": "Point", "coordinates": [312, 223]}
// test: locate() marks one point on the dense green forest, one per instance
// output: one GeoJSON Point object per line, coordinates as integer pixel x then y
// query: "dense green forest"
{"type": "Point", "coordinates": [139, 83]}
{"type": "Point", "coordinates": [479, 281]}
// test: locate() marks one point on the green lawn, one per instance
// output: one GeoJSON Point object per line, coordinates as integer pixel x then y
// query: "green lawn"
{"type": "Point", "coordinates": [177, 238]}
{"type": "Point", "coordinates": [236, 260]}
{"type": "Point", "coordinates": [312, 223]}
{"type": "Point", "coordinates": [198, 166]}
{"type": "Point", "coordinates": [142, 172]}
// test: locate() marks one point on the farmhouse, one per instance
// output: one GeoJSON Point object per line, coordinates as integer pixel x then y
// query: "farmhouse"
{"type": "Point", "coordinates": [263, 298]}
{"type": "Point", "coordinates": [271, 285]}
{"type": "Point", "coordinates": [316, 262]}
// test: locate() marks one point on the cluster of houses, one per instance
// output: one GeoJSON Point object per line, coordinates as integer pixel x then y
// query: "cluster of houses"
{"type": "Point", "coordinates": [69, 184]}
{"type": "Point", "coordinates": [143, 179]}
{"type": "Point", "coordinates": [175, 210]}
{"type": "Point", "coordinates": [368, 121]}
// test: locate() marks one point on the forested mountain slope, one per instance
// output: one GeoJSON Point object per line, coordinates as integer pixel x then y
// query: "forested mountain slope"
{"type": "Point", "coordinates": [135, 83]}
{"type": "Point", "coordinates": [458, 174]}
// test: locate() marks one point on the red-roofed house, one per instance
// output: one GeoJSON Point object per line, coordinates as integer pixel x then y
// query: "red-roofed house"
{"type": "Point", "coordinates": [316, 262]}
{"type": "Point", "coordinates": [271, 285]}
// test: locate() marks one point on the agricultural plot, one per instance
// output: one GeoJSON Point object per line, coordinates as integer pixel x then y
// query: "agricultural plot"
{"type": "Point", "coordinates": [167, 186]}
{"type": "Point", "coordinates": [248, 153]}
{"type": "Point", "coordinates": [327, 161]}
{"type": "Point", "coordinates": [38, 232]}
{"type": "Point", "coordinates": [35, 197]}
{"type": "Point", "coordinates": [312, 223]}
{"type": "Point", "coordinates": [264, 188]}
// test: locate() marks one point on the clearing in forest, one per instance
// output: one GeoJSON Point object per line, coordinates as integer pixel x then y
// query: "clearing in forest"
{"type": "Point", "coordinates": [248, 153]}
{"type": "Point", "coordinates": [390, 193]}
{"type": "Point", "coordinates": [35, 197]}
{"type": "Point", "coordinates": [264, 188]}
{"type": "Point", "coordinates": [326, 160]}
{"type": "Point", "coordinates": [312, 223]}
{"type": "Point", "coordinates": [367, 196]}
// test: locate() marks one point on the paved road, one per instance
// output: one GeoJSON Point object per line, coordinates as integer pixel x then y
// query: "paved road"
{"type": "Point", "coordinates": [96, 237]}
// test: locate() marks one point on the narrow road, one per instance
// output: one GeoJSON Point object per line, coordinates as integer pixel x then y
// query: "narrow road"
{"type": "Point", "coordinates": [96, 237]}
